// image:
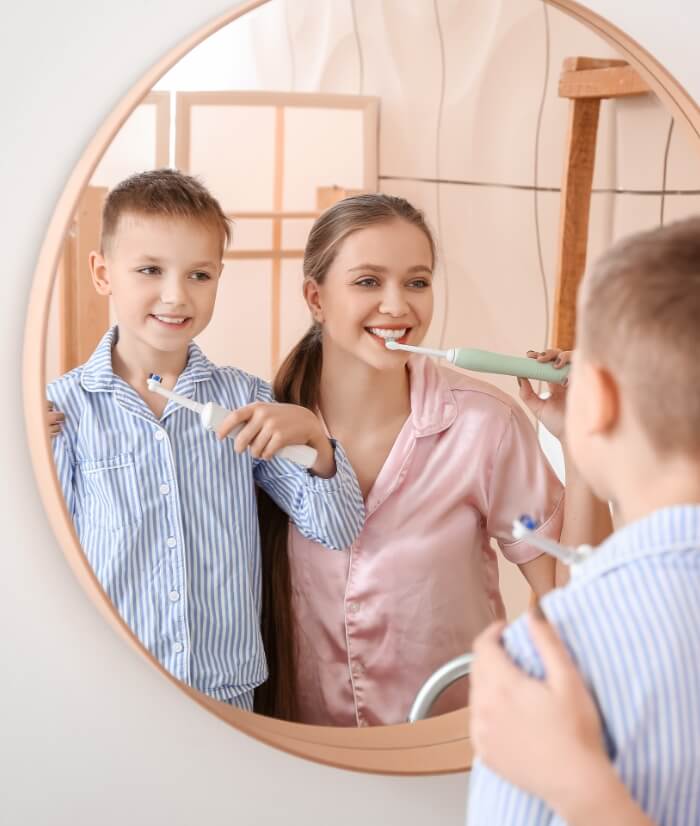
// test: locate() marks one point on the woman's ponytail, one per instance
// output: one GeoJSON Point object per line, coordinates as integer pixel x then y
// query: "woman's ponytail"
{"type": "Point", "coordinates": [297, 382]}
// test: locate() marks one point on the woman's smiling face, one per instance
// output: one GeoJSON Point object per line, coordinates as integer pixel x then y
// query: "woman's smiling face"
{"type": "Point", "coordinates": [378, 287]}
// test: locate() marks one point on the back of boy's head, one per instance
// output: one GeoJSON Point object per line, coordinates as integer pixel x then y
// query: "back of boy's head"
{"type": "Point", "coordinates": [164, 193]}
{"type": "Point", "coordinates": [639, 316]}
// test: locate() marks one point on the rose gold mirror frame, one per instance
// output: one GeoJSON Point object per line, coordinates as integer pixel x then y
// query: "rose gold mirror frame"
{"type": "Point", "coordinates": [429, 747]}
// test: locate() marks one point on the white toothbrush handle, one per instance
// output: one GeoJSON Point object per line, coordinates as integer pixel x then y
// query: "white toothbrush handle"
{"type": "Point", "coordinates": [213, 415]}
{"type": "Point", "coordinates": [303, 455]}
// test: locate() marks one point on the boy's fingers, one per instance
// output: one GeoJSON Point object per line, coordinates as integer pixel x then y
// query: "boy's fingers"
{"type": "Point", "coordinates": [489, 635]}
{"type": "Point", "coordinates": [259, 447]}
{"type": "Point", "coordinates": [555, 658]}
{"type": "Point", "coordinates": [247, 436]}
{"type": "Point", "coordinates": [234, 419]}
{"type": "Point", "coordinates": [491, 664]}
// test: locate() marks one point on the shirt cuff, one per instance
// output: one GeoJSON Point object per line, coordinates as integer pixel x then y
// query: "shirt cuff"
{"type": "Point", "coordinates": [521, 551]}
{"type": "Point", "coordinates": [344, 474]}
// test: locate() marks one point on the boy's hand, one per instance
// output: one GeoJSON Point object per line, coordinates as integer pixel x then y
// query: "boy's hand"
{"type": "Point", "coordinates": [544, 736]}
{"type": "Point", "coordinates": [55, 419]}
{"type": "Point", "coordinates": [268, 428]}
{"type": "Point", "coordinates": [549, 411]}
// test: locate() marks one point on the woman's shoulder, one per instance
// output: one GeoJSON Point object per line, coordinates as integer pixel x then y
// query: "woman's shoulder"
{"type": "Point", "coordinates": [470, 392]}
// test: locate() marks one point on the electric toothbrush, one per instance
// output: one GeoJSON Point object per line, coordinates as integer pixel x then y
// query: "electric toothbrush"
{"type": "Point", "coordinates": [212, 415]}
{"type": "Point", "coordinates": [485, 362]}
{"type": "Point", "coordinates": [525, 527]}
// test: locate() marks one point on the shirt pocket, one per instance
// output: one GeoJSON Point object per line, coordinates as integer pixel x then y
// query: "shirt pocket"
{"type": "Point", "coordinates": [111, 491]}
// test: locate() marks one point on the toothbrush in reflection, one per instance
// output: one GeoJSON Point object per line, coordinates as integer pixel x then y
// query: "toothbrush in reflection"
{"type": "Point", "coordinates": [485, 362]}
{"type": "Point", "coordinates": [525, 527]}
{"type": "Point", "coordinates": [212, 415]}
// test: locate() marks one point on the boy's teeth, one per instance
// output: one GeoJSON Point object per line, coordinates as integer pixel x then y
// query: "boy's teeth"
{"type": "Point", "coordinates": [170, 320]}
{"type": "Point", "coordinates": [388, 334]}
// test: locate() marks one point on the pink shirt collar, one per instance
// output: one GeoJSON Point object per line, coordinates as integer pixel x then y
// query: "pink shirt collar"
{"type": "Point", "coordinates": [433, 406]}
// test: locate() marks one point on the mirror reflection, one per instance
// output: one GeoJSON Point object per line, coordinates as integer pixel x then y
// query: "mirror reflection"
{"type": "Point", "coordinates": [346, 175]}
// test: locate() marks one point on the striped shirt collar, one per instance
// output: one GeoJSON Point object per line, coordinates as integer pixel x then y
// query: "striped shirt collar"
{"type": "Point", "coordinates": [97, 374]}
{"type": "Point", "coordinates": [675, 528]}
{"type": "Point", "coordinates": [98, 377]}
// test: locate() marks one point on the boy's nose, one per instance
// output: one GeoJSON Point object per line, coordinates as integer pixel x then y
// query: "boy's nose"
{"type": "Point", "coordinates": [172, 291]}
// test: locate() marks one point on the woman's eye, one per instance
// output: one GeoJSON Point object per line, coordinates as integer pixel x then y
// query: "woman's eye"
{"type": "Point", "coordinates": [200, 276]}
{"type": "Point", "coordinates": [366, 282]}
{"type": "Point", "coordinates": [420, 283]}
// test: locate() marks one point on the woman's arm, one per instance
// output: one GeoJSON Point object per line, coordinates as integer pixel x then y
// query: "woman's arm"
{"type": "Point", "coordinates": [541, 573]}
{"type": "Point", "coordinates": [587, 519]}
{"type": "Point", "coordinates": [545, 736]}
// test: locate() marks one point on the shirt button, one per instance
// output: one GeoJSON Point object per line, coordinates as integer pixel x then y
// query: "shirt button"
{"type": "Point", "coordinates": [160, 435]}
{"type": "Point", "coordinates": [164, 489]}
{"type": "Point", "coordinates": [172, 542]}
{"type": "Point", "coordinates": [178, 648]}
{"type": "Point", "coordinates": [353, 607]}
{"type": "Point", "coordinates": [174, 596]}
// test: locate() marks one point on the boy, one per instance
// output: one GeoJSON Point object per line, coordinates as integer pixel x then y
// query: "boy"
{"type": "Point", "coordinates": [165, 511]}
{"type": "Point", "coordinates": [631, 614]}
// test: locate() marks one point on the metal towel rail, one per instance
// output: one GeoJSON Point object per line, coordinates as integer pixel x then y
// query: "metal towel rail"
{"type": "Point", "coordinates": [437, 683]}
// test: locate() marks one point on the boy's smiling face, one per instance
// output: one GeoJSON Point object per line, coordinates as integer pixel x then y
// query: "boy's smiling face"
{"type": "Point", "coordinates": [162, 274]}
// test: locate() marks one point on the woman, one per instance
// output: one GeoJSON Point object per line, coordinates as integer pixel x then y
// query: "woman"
{"type": "Point", "coordinates": [445, 463]}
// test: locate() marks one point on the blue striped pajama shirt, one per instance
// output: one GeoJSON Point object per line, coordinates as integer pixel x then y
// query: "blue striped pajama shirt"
{"type": "Point", "coordinates": [631, 620]}
{"type": "Point", "coordinates": [167, 516]}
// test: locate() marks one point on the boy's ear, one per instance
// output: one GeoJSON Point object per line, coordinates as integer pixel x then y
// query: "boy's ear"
{"type": "Point", "coordinates": [602, 399]}
{"type": "Point", "coordinates": [312, 295]}
{"type": "Point", "coordinates": [98, 271]}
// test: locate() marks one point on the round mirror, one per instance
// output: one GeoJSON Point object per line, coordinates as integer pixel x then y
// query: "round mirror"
{"type": "Point", "coordinates": [530, 136]}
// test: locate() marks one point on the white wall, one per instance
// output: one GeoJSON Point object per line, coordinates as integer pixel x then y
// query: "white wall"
{"type": "Point", "coordinates": [89, 733]}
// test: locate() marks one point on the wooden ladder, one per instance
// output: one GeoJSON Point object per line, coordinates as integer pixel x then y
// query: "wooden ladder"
{"type": "Point", "coordinates": [585, 81]}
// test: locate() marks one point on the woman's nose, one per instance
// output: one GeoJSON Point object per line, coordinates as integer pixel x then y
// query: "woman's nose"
{"type": "Point", "coordinates": [393, 302]}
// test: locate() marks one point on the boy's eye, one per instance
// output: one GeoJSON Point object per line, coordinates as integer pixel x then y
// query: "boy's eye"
{"type": "Point", "coordinates": [200, 276]}
{"type": "Point", "coordinates": [150, 270]}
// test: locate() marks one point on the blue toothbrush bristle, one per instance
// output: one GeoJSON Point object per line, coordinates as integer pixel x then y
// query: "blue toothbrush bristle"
{"type": "Point", "coordinates": [155, 377]}
{"type": "Point", "coordinates": [528, 522]}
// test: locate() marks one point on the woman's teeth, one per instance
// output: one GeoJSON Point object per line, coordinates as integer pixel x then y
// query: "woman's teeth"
{"type": "Point", "coordinates": [388, 335]}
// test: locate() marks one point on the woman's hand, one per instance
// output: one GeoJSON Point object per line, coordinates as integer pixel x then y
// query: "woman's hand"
{"type": "Point", "coordinates": [549, 411]}
{"type": "Point", "coordinates": [267, 428]}
{"type": "Point", "coordinates": [54, 419]}
{"type": "Point", "coordinates": [545, 736]}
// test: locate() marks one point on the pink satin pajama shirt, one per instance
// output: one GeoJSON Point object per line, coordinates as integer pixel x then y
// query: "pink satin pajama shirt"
{"type": "Point", "coordinates": [376, 620]}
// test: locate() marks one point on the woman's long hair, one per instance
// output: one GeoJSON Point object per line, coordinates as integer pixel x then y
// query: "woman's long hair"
{"type": "Point", "coordinates": [298, 381]}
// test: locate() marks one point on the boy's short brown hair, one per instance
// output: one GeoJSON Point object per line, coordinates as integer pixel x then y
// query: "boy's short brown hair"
{"type": "Point", "coordinates": [639, 315]}
{"type": "Point", "coordinates": [167, 193]}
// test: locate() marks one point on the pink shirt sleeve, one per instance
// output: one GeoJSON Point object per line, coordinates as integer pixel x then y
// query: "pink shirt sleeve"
{"type": "Point", "coordinates": [522, 482]}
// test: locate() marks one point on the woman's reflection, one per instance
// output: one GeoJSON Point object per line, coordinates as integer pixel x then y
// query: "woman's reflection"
{"type": "Point", "coordinates": [445, 463]}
